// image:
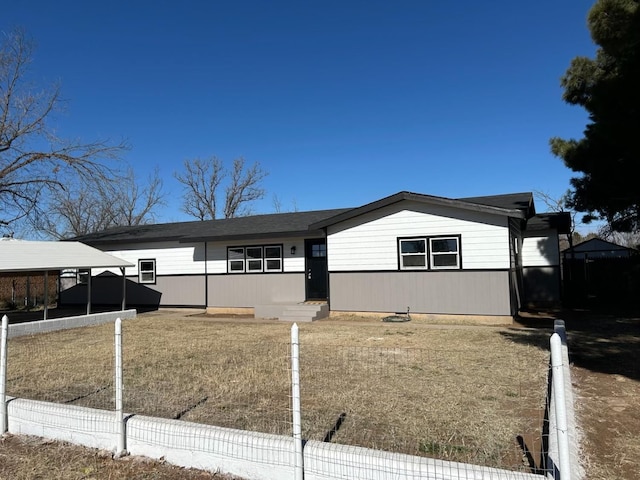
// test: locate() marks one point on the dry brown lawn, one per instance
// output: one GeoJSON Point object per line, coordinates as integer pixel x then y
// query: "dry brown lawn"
{"type": "Point", "coordinates": [458, 393]}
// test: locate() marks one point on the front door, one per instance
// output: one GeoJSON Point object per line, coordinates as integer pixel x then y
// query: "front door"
{"type": "Point", "coordinates": [316, 259]}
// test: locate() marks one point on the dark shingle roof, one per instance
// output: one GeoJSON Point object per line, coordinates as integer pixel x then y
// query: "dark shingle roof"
{"type": "Point", "coordinates": [512, 201]}
{"type": "Point", "coordinates": [560, 221]}
{"type": "Point", "coordinates": [255, 226]}
{"type": "Point", "coordinates": [295, 224]}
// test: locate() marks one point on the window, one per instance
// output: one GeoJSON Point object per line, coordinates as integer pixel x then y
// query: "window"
{"type": "Point", "coordinates": [413, 253]}
{"type": "Point", "coordinates": [444, 252]}
{"type": "Point", "coordinates": [319, 250]}
{"type": "Point", "coordinates": [254, 259]}
{"type": "Point", "coordinates": [83, 277]}
{"type": "Point", "coordinates": [146, 271]}
{"type": "Point", "coordinates": [422, 253]}
{"type": "Point", "coordinates": [273, 258]}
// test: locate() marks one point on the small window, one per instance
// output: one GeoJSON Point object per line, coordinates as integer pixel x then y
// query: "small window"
{"type": "Point", "coordinates": [235, 258]}
{"type": "Point", "coordinates": [83, 277]}
{"type": "Point", "coordinates": [319, 250]}
{"type": "Point", "coordinates": [444, 252]}
{"type": "Point", "coordinates": [254, 259]}
{"type": "Point", "coordinates": [413, 253]}
{"type": "Point", "coordinates": [147, 271]}
{"type": "Point", "coordinates": [273, 258]}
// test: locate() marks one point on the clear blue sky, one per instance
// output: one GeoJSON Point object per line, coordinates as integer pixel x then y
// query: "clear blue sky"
{"type": "Point", "coordinates": [342, 102]}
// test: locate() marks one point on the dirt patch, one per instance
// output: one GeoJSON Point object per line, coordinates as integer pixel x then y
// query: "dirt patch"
{"type": "Point", "coordinates": [31, 458]}
{"type": "Point", "coordinates": [604, 348]}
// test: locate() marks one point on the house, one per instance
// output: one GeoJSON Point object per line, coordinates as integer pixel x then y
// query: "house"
{"type": "Point", "coordinates": [433, 255]}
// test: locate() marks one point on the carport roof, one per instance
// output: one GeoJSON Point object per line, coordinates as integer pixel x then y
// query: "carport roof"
{"type": "Point", "coordinates": [29, 256]}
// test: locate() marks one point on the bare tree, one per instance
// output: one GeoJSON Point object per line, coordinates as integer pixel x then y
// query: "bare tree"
{"type": "Point", "coordinates": [34, 162]}
{"type": "Point", "coordinates": [243, 189]}
{"type": "Point", "coordinates": [135, 204]}
{"type": "Point", "coordinates": [559, 205]}
{"type": "Point", "coordinates": [83, 208]}
{"type": "Point", "coordinates": [202, 180]}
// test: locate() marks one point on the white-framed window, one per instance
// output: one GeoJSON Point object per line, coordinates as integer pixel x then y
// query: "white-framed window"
{"type": "Point", "coordinates": [444, 252]}
{"type": "Point", "coordinates": [413, 253]}
{"type": "Point", "coordinates": [424, 253]}
{"type": "Point", "coordinates": [147, 270]}
{"type": "Point", "coordinates": [254, 259]}
{"type": "Point", "coordinates": [273, 258]}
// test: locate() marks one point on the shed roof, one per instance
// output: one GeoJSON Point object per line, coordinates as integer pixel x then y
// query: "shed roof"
{"type": "Point", "coordinates": [28, 256]}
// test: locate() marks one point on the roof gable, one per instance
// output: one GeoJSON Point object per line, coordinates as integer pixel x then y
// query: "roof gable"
{"type": "Point", "coordinates": [519, 205]}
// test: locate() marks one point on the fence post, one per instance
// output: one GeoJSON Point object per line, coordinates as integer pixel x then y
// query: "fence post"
{"type": "Point", "coordinates": [3, 374]}
{"type": "Point", "coordinates": [295, 403]}
{"type": "Point", "coordinates": [118, 389]}
{"type": "Point", "coordinates": [562, 430]}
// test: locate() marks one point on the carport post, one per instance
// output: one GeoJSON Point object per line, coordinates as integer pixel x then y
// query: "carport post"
{"type": "Point", "coordinates": [89, 292]}
{"type": "Point", "coordinates": [124, 289]}
{"type": "Point", "coordinates": [3, 374]}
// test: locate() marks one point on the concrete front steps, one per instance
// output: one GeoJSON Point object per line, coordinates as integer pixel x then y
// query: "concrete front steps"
{"type": "Point", "coordinates": [293, 312]}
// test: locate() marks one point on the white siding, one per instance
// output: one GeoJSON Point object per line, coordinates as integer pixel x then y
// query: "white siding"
{"type": "Point", "coordinates": [540, 249]}
{"type": "Point", "coordinates": [369, 242]}
{"type": "Point", "coordinates": [172, 258]}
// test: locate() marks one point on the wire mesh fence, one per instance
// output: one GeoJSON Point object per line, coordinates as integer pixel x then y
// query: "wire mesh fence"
{"type": "Point", "coordinates": [442, 404]}
{"type": "Point", "coordinates": [475, 403]}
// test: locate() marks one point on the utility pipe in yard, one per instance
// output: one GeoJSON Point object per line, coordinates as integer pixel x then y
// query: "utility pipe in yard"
{"type": "Point", "coordinates": [562, 430]}
{"type": "Point", "coordinates": [120, 450]}
{"type": "Point", "coordinates": [295, 402]}
{"type": "Point", "coordinates": [3, 374]}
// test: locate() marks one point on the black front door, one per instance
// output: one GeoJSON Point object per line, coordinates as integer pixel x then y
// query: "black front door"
{"type": "Point", "coordinates": [316, 257]}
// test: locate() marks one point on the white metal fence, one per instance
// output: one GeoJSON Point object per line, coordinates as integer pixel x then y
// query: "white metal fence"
{"type": "Point", "coordinates": [326, 413]}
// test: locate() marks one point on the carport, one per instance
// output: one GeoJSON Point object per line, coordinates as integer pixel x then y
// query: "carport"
{"type": "Point", "coordinates": [40, 256]}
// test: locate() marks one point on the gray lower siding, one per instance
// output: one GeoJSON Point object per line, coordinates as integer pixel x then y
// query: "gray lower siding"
{"type": "Point", "coordinates": [249, 290]}
{"type": "Point", "coordinates": [446, 293]}
{"type": "Point", "coordinates": [182, 290]}
{"type": "Point", "coordinates": [542, 286]}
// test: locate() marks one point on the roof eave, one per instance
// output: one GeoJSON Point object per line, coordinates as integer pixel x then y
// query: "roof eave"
{"type": "Point", "coordinates": [428, 199]}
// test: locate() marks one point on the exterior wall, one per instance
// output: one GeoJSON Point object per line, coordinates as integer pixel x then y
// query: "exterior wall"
{"type": "Point", "coordinates": [370, 242]}
{"type": "Point", "coordinates": [172, 258]}
{"type": "Point", "coordinates": [541, 268]}
{"type": "Point", "coordinates": [248, 290]}
{"type": "Point", "coordinates": [540, 249]}
{"type": "Point", "coordinates": [542, 286]}
{"type": "Point", "coordinates": [442, 292]}
{"type": "Point", "coordinates": [106, 289]}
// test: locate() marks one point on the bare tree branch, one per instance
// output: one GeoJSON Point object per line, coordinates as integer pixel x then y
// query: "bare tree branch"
{"type": "Point", "coordinates": [34, 162]}
{"type": "Point", "coordinates": [202, 179]}
{"type": "Point", "coordinates": [243, 188]}
{"type": "Point", "coordinates": [91, 206]}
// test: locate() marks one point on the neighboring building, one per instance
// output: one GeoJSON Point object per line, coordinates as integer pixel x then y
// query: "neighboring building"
{"type": "Point", "coordinates": [596, 248]}
{"type": "Point", "coordinates": [433, 255]}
